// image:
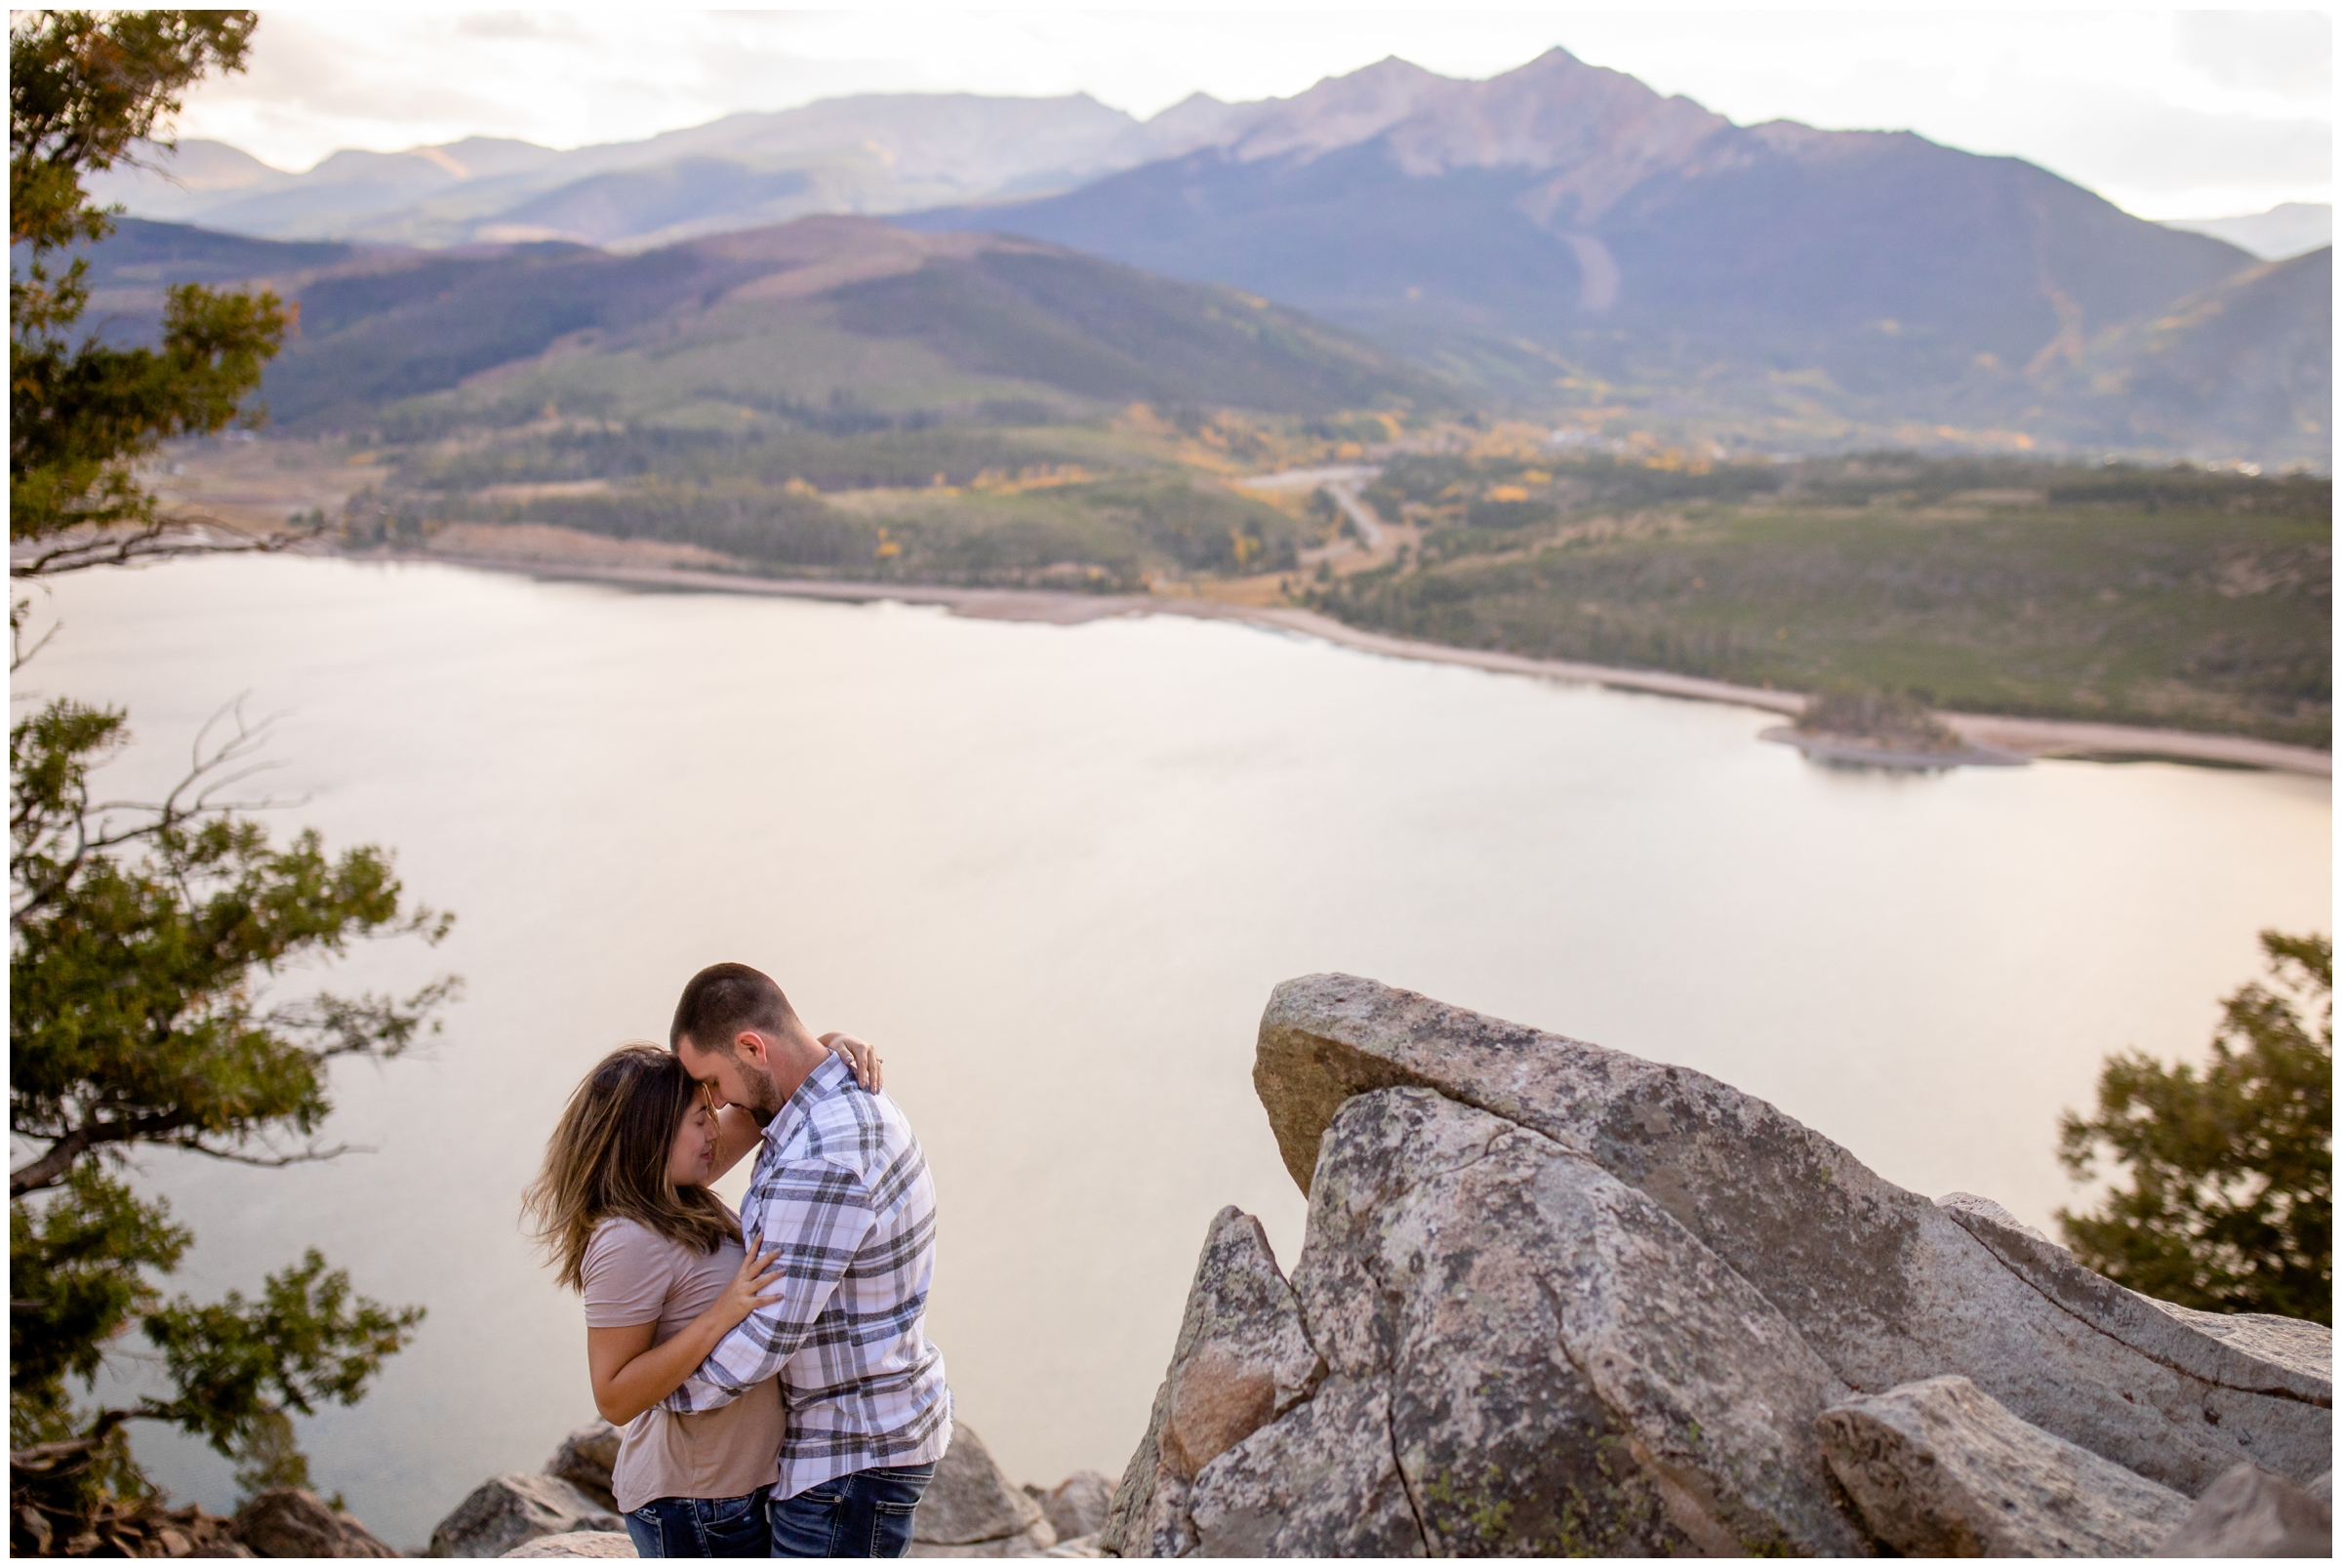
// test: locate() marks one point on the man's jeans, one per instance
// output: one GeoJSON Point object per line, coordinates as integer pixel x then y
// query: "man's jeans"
{"type": "Point", "coordinates": [702, 1526]}
{"type": "Point", "coordinates": [865, 1514]}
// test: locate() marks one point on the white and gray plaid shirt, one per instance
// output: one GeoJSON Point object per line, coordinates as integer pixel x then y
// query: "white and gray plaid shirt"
{"type": "Point", "coordinates": [841, 1190]}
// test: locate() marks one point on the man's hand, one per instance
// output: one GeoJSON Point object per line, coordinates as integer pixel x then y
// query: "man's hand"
{"type": "Point", "coordinates": [870, 1068]}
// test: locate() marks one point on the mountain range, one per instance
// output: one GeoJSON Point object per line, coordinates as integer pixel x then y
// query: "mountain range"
{"type": "Point", "coordinates": [1565, 231]}
{"type": "Point", "coordinates": [827, 321]}
{"type": "Point", "coordinates": [1558, 237]}
{"type": "Point", "coordinates": [872, 154]}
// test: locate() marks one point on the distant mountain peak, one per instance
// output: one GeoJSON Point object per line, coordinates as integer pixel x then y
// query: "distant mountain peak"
{"type": "Point", "coordinates": [1601, 130]}
{"type": "Point", "coordinates": [1554, 61]}
{"type": "Point", "coordinates": [1340, 111]}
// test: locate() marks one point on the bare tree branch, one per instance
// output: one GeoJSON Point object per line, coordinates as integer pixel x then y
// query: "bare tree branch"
{"type": "Point", "coordinates": [19, 656]}
{"type": "Point", "coordinates": [195, 795]}
{"type": "Point", "coordinates": [159, 540]}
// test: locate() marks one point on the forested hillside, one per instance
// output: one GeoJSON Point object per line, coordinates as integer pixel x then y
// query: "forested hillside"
{"type": "Point", "coordinates": [2176, 598]}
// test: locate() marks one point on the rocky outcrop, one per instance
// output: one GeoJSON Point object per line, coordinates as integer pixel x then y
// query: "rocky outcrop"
{"type": "Point", "coordinates": [1242, 1357]}
{"type": "Point", "coordinates": [1077, 1508]}
{"type": "Point", "coordinates": [54, 1512]}
{"type": "Point", "coordinates": [1558, 1299]}
{"type": "Point", "coordinates": [2249, 1512]}
{"type": "Point", "coordinates": [585, 1458]}
{"type": "Point", "coordinates": [507, 1510]}
{"type": "Point", "coordinates": [291, 1521]}
{"type": "Point", "coordinates": [1940, 1469]}
{"type": "Point", "coordinates": [576, 1543]}
{"type": "Point", "coordinates": [970, 1509]}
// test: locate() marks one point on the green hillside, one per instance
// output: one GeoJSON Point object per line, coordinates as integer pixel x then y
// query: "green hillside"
{"type": "Point", "coordinates": [2173, 597]}
{"type": "Point", "coordinates": [800, 313]}
{"type": "Point", "coordinates": [2251, 359]}
{"type": "Point", "coordinates": [830, 395]}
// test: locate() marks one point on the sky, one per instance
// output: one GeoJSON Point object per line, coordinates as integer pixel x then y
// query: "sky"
{"type": "Point", "coordinates": [2169, 115]}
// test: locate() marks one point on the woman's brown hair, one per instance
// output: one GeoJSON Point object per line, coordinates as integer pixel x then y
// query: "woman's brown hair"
{"type": "Point", "coordinates": [607, 1159]}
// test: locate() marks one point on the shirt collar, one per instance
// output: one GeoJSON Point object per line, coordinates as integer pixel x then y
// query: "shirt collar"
{"type": "Point", "coordinates": [820, 1084]}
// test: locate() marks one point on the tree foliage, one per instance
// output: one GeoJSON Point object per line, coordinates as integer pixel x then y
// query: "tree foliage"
{"type": "Point", "coordinates": [2230, 1204]}
{"type": "Point", "coordinates": [85, 90]}
{"type": "Point", "coordinates": [152, 944]}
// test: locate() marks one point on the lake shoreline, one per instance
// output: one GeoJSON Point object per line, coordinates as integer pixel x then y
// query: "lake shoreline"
{"type": "Point", "coordinates": [2075, 739]}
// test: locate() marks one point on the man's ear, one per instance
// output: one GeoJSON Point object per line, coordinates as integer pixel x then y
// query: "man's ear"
{"type": "Point", "coordinates": [750, 1044]}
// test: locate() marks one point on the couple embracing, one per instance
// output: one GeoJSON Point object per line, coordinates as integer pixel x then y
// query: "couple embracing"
{"type": "Point", "coordinates": [770, 1369]}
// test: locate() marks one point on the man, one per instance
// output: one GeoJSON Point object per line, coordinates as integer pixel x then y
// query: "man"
{"type": "Point", "coordinates": [840, 1191]}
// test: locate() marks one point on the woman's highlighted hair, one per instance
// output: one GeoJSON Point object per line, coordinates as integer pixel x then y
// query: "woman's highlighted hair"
{"type": "Point", "coordinates": [607, 1159]}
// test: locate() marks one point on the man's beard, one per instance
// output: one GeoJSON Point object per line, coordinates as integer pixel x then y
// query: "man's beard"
{"type": "Point", "coordinates": [767, 1104]}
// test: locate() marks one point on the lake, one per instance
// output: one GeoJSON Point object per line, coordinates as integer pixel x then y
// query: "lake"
{"type": "Point", "coordinates": [1054, 872]}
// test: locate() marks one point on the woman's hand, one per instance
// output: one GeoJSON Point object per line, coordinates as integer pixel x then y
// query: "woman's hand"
{"type": "Point", "coordinates": [870, 1068]}
{"type": "Point", "coordinates": [757, 1274]}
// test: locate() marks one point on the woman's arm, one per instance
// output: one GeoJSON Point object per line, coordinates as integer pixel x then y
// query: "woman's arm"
{"type": "Point", "coordinates": [630, 1374]}
{"type": "Point", "coordinates": [737, 1132]}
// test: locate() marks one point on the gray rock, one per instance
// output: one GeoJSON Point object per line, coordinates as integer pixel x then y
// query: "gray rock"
{"type": "Point", "coordinates": [291, 1521]}
{"type": "Point", "coordinates": [1077, 1546]}
{"type": "Point", "coordinates": [970, 1504]}
{"type": "Point", "coordinates": [1320, 1482]}
{"type": "Point", "coordinates": [2249, 1512]}
{"type": "Point", "coordinates": [1241, 1357]}
{"type": "Point", "coordinates": [1886, 1287]}
{"type": "Point", "coordinates": [585, 1458]}
{"type": "Point", "coordinates": [1570, 1370]}
{"type": "Point", "coordinates": [1941, 1470]}
{"type": "Point", "coordinates": [2288, 1356]}
{"type": "Point", "coordinates": [504, 1512]}
{"type": "Point", "coordinates": [1524, 1355]}
{"type": "Point", "coordinates": [1968, 1203]}
{"type": "Point", "coordinates": [576, 1543]}
{"type": "Point", "coordinates": [1077, 1506]}
{"type": "Point", "coordinates": [1034, 1540]}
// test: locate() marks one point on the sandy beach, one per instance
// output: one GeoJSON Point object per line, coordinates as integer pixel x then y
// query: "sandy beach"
{"type": "Point", "coordinates": [2024, 737]}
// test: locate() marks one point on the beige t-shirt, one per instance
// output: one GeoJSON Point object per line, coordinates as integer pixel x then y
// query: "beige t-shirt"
{"type": "Point", "coordinates": [634, 1275]}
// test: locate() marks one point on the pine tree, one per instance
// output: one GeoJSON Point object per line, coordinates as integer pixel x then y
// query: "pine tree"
{"type": "Point", "coordinates": [148, 943]}
{"type": "Point", "coordinates": [2229, 1201]}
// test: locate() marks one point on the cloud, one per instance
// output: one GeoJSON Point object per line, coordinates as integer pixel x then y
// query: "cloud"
{"type": "Point", "coordinates": [2288, 53]}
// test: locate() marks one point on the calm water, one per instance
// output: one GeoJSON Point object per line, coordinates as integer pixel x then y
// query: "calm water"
{"type": "Point", "coordinates": [1054, 872]}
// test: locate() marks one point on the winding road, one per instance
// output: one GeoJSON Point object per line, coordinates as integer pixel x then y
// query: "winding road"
{"type": "Point", "coordinates": [1340, 483]}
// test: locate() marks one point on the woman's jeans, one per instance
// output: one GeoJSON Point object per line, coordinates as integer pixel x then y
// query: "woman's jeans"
{"type": "Point", "coordinates": [865, 1514]}
{"type": "Point", "coordinates": [702, 1526]}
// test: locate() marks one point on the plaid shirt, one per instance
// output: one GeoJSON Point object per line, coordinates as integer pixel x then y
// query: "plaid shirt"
{"type": "Point", "coordinates": [841, 1190]}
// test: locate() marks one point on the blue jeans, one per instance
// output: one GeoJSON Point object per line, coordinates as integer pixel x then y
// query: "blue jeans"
{"type": "Point", "coordinates": [702, 1526]}
{"type": "Point", "coordinates": [865, 1514]}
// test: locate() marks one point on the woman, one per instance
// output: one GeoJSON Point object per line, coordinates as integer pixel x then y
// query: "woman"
{"type": "Point", "coordinates": [622, 1207]}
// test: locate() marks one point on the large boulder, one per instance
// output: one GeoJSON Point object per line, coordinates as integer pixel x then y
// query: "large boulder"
{"type": "Point", "coordinates": [585, 1458]}
{"type": "Point", "coordinates": [2249, 1512]}
{"type": "Point", "coordinates": [293, 1521]}
{"type": "Point", "coordinates": [507, 1510]}
{"type": "Point", "coordinates": [1884, 1286]}
{"type": "Point", "coordinates": [1243, 1356]}
{"type": "Point", "coordinates": [1077, 1506]}
{"type": "Point", "coordinates": [576, 1543]}
{"type": "Point", "coordinates": [971, 1510]}
{"type": "Point", "coordinates": [1940, 1469]}
{"type": "Point", "coordinates": [1555, 1300]}
{"type": "Point", "coordinates": [1524, 1355]}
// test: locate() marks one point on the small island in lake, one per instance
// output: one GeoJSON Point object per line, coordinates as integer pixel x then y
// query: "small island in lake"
{"type": "Point", "coordinates": [1883, 729]}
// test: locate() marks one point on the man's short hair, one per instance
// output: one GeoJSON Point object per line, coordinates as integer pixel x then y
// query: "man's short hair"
{"type": "Point", "coordinates": [721, 1001]}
